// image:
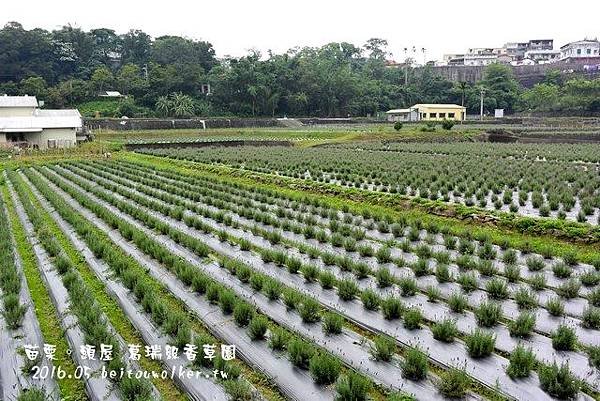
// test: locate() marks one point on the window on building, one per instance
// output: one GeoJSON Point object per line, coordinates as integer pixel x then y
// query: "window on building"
{"type": "Point", "coordinates": [432, 115]}
{"type": "Point", "coordinates": [451, 115]}
{"type": "Point", "coordinates": [442, 115]}
{"type": "Point", "coordinates": [589, 51]}
{"type": "Point", "coordinates": [578, 51]}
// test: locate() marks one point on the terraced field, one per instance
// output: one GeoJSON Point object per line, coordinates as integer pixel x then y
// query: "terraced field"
{"type": "Point", "coordinates": [323, 298]}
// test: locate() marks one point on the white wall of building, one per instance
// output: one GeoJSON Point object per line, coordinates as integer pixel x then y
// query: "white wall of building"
{"type": "Point", "coordinates": [580, 50]}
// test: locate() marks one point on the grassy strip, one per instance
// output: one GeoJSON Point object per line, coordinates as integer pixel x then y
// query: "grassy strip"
{"type": "Point", "coordinates": [109, 306]}
{"type": "Point", "coordinates": [70, 388]}
{"type": "Point", "coordinates": [521, 232]}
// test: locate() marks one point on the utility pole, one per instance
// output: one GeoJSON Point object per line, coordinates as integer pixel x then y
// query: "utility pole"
{"type": "Point", "coordinates": [482, 92]}
{"type": "Point", "coordinates": [405, 66]}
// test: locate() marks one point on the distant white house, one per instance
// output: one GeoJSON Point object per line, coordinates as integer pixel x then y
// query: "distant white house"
{"type": "Point", "coordinates": [111, 94]}
{"type": "Point", "coordinates": [24, 124]}
{"type": "Point", "coordinates": [582, 49]}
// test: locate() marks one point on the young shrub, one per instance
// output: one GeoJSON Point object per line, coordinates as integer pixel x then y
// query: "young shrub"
{"type": "Point", "coordinates": [352, 387]}
{"type": "Point", "coordinates": [488, 314]}
{"type": "Point", "coordinates": [408, 286]}
{"type": "Point", "coordinates": [309, 310]}
{"type": "Point", "coordinates": [392, 308]}
{"type": "Point", "coordinates": [570, 258]}
{"type": "Point", "coordinates": [569, 289]}
{"type": "Point", "coordinates": [383, 348]}
{"type": "Point", "coordinates": [278, 339]}
{"type": "Point", "coordinates": [442, 274]}
{"type": "Point", "coordinates": [538, 282]}
{"type": "Point", "coordinates": [509, 257]}
{"type": "Point", "coordinates": [227, 301]}
{"type": "Point", "coordinates": [347, 289]}
{"type": "Point", "coordinates": [300, 352]}
{"type": "Point", "coordinates": [293, 265]}
{"type": "Point", "coordinates": [458, 302]}
{"type": "Point", "coordinates": [593, 297]}
{"type": "Point", "coordinates": [383, 255]}
{"type": "Point", "coordinates": [535, 264]}
{"type": "Point", "coordinates": [421, 268]}
{"type": "Point", "coordinates": [365, 250]}
{"type": "Point", "coordinates": [291, 298]}
{"type": "Point", "coordinates": [310, 272]}
{"type": "Point", "coordinates": [564, 338]}
{"type": "Point", "coordinates": [332, 323]}
{"type": "Point", "coordinates": [413, 318]}
{"type": "Point", "coordinates": [272, 289]}
{"type": "Point", "coordinates": [522, 326]}
{"type": "Point", "coordinates": [480, 344]}
{"type": "Point", "coordinates": [454, 383]}
{"type": "Point", "coordinates": [258, 327]}
{"type": "Point", "coordinates": [445, 330]}
{"type": "Point", "coordinates": [370, 300]}
{"type": "Point", "coordinates": [13, 311]}
{"type": "Point", "coordinates": [433, 293]}
{"type": "Point", "coordinates": [384, 277]}
{"type": "Point", "coordinates": [213, 293]}
{"type": "Point", "coordinates": [238, 389]}
{"type": "Point", "coordinates": [589, 278]}
{"type": "Point", "coordinates": [327, 280]}
{"type": "Point", "coordinates": [243, 314]}
{"type": "Point", "coordinates": [525, 299]}
{"type": "Point", "coordinates": [466, 262]}
{"type": "Point", "coordinates": [591, 318]}
{"type": "Point", "coordinates": [486, 252]}
{"type": "Point", "coordinates": [467, 281]}
{"type": "Point", "coordinates": [361, 270]}
{"type": "Point", "coordinates": [558, 381]}
{"type": "Point", "coordinates": [487, 268]}
{"type": "Point", "coordinates": [562, 270]}
{"type": "Point", "coordinates": [555, 307]}
{"type": "Point", "coordinates": [414, 366]}
{"type": "Point", "coordinates": [521, 362]}
{"type": "Point", "coordinates": [497, 288]}
{"type": "Point", "coordinates": [324, 368]}
{"type": "Point", "coordinates": [594, 356]}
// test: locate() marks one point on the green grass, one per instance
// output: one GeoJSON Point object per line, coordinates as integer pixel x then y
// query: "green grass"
{"type": "Point", "coordinates": [70, 388]}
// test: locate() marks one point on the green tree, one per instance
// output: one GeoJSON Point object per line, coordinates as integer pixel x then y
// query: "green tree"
{"type": "Point", "coordinates": [102, 79]}
{"type": "Point", "coordinates": [502, 89]}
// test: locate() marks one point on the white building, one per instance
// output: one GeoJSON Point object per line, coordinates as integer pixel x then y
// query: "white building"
{"type": "Point", "coordinates": [543, 56]}
{"type": "Point", "coordinates": [587, 48]}
{"type": "Point", "coordinates": [24, 124]}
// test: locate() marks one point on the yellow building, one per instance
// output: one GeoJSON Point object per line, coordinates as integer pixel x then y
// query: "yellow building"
{"type": "Point", "coordinates": [440, 112]}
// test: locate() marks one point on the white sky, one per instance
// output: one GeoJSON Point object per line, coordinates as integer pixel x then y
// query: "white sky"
{"type": "Point", "coordinates": [234, 26]}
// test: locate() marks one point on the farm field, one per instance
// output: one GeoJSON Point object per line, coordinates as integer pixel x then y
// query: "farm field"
{"type": "Point", "coordinates": [334, 268]}
{"type": "Point", "coordinates": [547, 180]}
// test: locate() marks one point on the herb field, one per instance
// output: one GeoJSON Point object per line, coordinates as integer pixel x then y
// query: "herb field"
{"type": "Point", "coordinates": [323, 299]}
{"type": "Point", "coordinates": [542, 180]}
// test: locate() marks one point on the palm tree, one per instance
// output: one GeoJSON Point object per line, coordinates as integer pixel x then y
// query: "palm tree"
{"type": "Point", "coordinates": [463, 88]}
{"type": "Point", "coordinates": [182, 105]}
{"type": "Point", "coordinates": [163, 106]}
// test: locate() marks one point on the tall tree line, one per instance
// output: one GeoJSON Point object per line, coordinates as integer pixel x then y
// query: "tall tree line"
{"type": "Point", "coordinates": [168, 75]}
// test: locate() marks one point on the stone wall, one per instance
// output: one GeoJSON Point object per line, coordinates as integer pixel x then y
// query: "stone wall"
{"type": "Point", "coordinates": [527, 75]}
{"type": "Point", "coordinates": [157, 123]}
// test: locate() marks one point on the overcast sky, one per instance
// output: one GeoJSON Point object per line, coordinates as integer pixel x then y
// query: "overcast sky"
{"type": "Point", "coordinates": [234, 26]}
